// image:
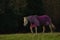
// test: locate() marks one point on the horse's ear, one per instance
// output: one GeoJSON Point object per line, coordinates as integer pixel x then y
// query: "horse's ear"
{"type": "Point", "coordinates": [25, 17]}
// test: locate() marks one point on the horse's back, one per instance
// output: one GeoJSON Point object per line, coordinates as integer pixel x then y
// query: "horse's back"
{"type": "Point", "coordinates": [44, 19]}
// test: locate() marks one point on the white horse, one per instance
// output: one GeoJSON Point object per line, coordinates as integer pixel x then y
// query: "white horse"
{"type": "Point", "coordinates": [47, 20]}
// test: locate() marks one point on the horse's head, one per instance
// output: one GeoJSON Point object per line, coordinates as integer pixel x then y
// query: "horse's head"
{"type": "Point", "coordinates": [25, 21]}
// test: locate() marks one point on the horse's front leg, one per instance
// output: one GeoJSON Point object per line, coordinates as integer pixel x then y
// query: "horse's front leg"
{"type": "Point", "coordinates": [31, 29]}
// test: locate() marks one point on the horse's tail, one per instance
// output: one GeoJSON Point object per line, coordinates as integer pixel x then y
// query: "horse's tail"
{"type": "Point", "coordinates": [53, 26]}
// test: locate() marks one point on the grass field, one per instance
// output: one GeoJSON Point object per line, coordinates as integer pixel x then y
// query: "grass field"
{"type": "Point", "coordinates": [29, 36]}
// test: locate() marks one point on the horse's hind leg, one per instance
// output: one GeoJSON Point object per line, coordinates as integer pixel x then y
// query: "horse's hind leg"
{"type": "Point", "coordinates": [50, 27]}
{"type": "Point", "coordinates": [43, 29]}
{"type": "Point", "coordinates": [36, 30]}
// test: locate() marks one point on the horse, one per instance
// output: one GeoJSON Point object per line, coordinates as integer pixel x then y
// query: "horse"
{"type": "Point", "coordinates": [36, 21]}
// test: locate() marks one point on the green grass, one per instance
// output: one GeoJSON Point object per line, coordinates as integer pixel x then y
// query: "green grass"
{"type": "Point", "coordinates": [29, 36]}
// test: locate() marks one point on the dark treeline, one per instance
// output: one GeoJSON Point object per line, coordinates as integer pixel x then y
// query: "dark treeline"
{"type": "Point", "coordinates": [13, 11]}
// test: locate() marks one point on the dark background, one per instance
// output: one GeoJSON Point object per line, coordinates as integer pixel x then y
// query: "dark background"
{"type": "Point", "coordinates": [13, 11]}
